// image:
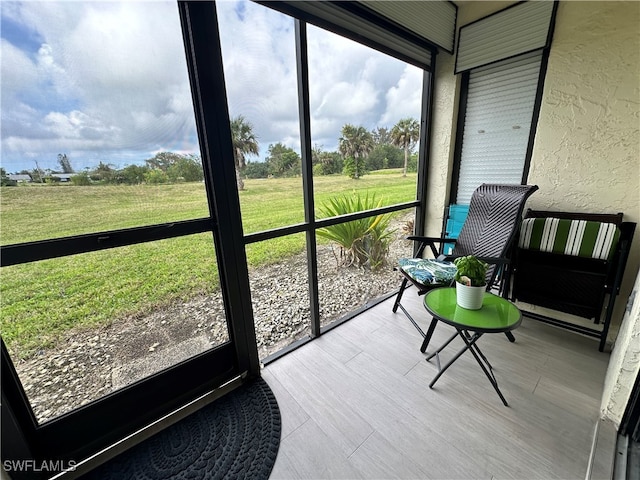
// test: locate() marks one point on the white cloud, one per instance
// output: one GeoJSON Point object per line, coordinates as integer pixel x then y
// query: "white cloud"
{"type": "Point", "coordinates": [404, 98]}
{"type": "Point", "coordinates": [109, 78]}
{"type": "Point", "coordinates": [345, 100]}
{"type": "Point", "coordinates": [15, 60]}
{"type": "Point", "coordinates": [258, 49]}
{"type": "Point", "coordinates": [351, 83]}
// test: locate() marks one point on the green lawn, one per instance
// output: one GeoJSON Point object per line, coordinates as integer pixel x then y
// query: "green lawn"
{"type": "Point", "coordinates": [42, 300]}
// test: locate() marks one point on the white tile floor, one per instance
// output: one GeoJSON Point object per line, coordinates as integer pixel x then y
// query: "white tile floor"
{"type": "Point", "coordinates": [355, 403]}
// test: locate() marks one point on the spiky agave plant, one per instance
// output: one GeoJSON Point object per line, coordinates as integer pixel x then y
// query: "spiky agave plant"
{"type": "Point", "coordinates": [363, 242]}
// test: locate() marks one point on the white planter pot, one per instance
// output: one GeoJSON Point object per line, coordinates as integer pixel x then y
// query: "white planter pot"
{"type": "Point", "coordinates": [469, 297]}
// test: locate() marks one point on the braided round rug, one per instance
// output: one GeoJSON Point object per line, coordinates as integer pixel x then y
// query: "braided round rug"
{"type": "Point", "coordinates": [235, 437]}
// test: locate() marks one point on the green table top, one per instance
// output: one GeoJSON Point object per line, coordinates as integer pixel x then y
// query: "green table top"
{"type": "Point", "coordinates": [496, 315]}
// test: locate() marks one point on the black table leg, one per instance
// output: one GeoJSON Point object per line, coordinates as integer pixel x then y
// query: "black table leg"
{"type": "Point", "coordinates": [427, 337]}
{"type": "Point", "coordinates": [470, 344]}
{"type": "Point", "coordinates": [455, 357]}
{"type": "Point", "coordinates": [477, 354]}
{"type": "Point", "coordinates": [442, 347]}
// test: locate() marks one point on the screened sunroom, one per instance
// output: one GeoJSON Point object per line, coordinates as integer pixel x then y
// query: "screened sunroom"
{"type": "Point", "coordinates": [218, 160]}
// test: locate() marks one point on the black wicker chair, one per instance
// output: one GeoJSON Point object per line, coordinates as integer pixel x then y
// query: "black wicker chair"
{"type": "Point", "coordinates": [495, 212]}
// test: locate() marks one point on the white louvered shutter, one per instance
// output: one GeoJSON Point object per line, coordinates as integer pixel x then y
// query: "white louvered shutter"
{"type": "Point", "coordinates": [518, 29]}
{"type": "Point", "coordinates": [434, 21]}
{"type": "Point", "coordinates": [497, 123]}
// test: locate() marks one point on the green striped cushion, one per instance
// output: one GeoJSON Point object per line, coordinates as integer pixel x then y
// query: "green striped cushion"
{"type": "Point", "coordinates": [579, 238]}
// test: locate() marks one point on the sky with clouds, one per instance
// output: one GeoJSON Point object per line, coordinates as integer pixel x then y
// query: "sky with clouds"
{"type": "Point", "coordinates": [107, 81]}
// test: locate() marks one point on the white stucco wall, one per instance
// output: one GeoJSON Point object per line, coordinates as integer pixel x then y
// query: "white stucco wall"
{"type": "Point", "coordinates": [624, 363]}
{"type": "Point", "coordinates": [445, 97]}
{"type": "Point", "coordinates": [586, 156]}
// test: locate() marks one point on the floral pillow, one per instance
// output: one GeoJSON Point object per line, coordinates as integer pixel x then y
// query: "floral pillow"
{"type": "Point", "coordinates": [428, 271]}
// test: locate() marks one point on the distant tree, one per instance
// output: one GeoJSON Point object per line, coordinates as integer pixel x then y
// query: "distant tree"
{"type": "Point", "coordinates": [104, 173]}
{"type": "Point", "coordinates": [384, 156]}
{"type": "Point", "coordinates": [5, 181]}
{"type": "Point", "coordinates": [355, 144]}
{"type": "Point", "coordinates": [413, 163]}
{"type": "Point", "coordinates": [326, 163]}
{"type": "Point", "coordinates": [316, 151]}
{"type": "Point", "coordinates": [65, 163]}
{"type": "Point", "coordinates": [331, 163]}
{"type": "Point", "coordinates": [133, 174]}
{"type": "Point", "coordinates": [163, 160]}
{"type": "Point", "coordinates": [256, 170]}
{"type": "Point", "coordinates": [177, 167]}
{"type": "Point", "coordinates": [381, 136]}
{"type": "Point", "coordinates": [405, 134]}
{"type": "Point", "coordinates": [283, 161]}
{"type": "Point", "coordinates": [37, 174]}
{"type": "Point", "coordinates": [245, 143]}
{"type": "Point", "coordinates": [187, 168]}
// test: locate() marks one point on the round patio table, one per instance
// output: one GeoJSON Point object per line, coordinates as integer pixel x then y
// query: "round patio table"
{"type": "Point", "coordinates": [497, 315]}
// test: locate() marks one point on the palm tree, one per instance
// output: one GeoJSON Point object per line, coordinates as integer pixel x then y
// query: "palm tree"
{"type": "Point", "coordinates": [355, 143]}
{"type": "Point", "coordinates": [245, 142]}
{"type": "Point", "coordinates": [405, 134]}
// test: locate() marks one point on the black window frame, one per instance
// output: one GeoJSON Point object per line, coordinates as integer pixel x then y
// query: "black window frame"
{"type": "Point", "coordinates": [311, 224]}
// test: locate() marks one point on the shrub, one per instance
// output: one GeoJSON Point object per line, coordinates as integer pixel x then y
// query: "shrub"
{"type": "Point", "coordinates": [412, 164]}
{"type": "Point", "coordinates": [385, 156]}
{"type": "Point", "coordinates": [363, 242]}
{"type": "Point", "coordinates": [51, 180]}
{"type": "Point", "coordinates": [133, 174]}
{"type": "Point", "coordinates": [81, 179]}
{"type": "Point", "coordinates": [156, 176]}
{"type": "Point", "coordinates": [354, 167]}
{"type": "Point", "coordinates": [256, 170]}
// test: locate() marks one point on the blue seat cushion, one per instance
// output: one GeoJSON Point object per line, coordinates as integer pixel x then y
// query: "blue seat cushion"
{"type": "Point", "coordinates": [428, 271]}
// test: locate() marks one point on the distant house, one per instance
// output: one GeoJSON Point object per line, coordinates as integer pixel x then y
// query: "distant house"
{"type": "Point", "coordinates": [20, 178]}
{"type": "Point", "coordinates": [63, 177]}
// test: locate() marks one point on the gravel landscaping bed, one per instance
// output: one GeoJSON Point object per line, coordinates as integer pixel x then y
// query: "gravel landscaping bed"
{"type": "Point", "coordinates": [90, 363]}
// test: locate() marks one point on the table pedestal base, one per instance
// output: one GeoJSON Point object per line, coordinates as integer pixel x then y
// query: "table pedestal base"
{"type": "Point", "coordinates": [470, 344]}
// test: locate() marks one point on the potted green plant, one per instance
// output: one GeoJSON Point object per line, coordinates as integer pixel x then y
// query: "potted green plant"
{"type": "Point", "coordinates": [471, 281]}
